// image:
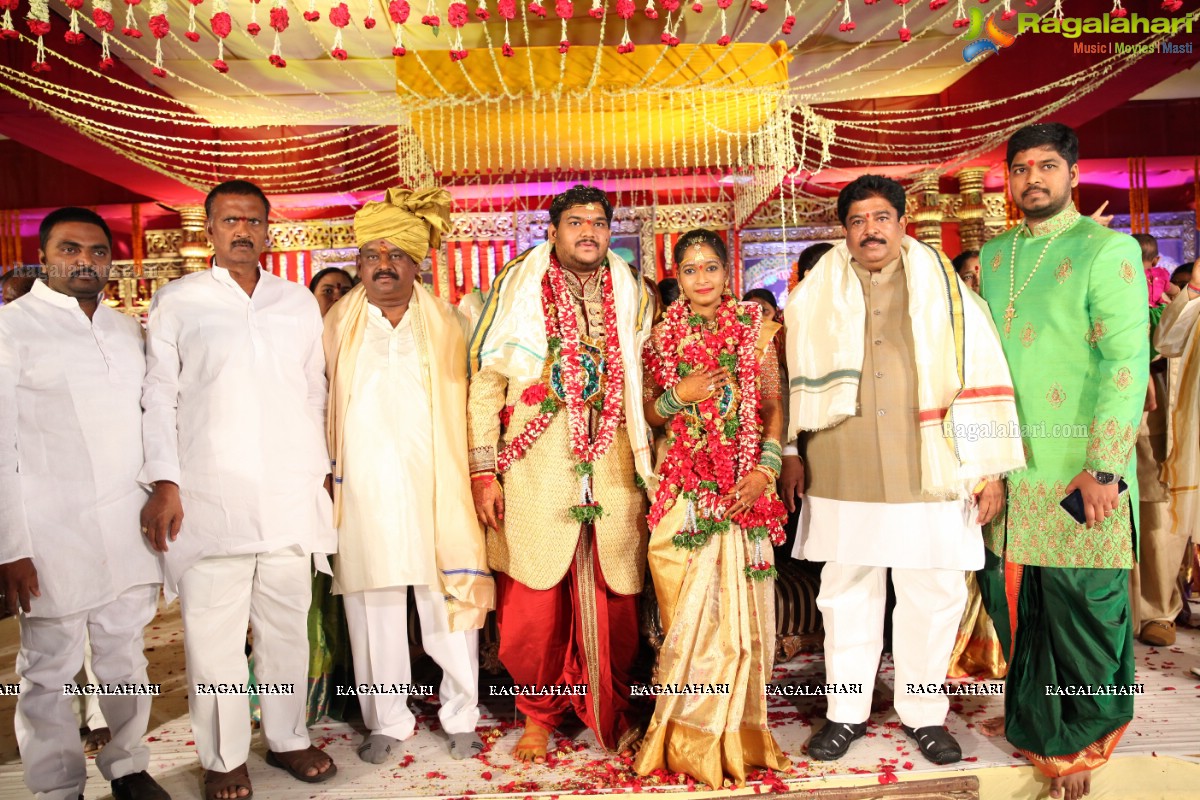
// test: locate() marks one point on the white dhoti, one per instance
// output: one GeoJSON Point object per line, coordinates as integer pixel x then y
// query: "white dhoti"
{"type": "Point", "coordinates": [929, 603]}
{"type": "Point", "coordinates": [378, 623]}
{"type": "Point", "coordinates": [51, 655]}
{"type": "Point", "coordinates": [218, 597]}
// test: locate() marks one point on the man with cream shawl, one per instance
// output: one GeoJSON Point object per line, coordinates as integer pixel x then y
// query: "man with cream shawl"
{"type": "Point", "coordinates": [896, 369]}
{"type": "Point", "coordinates": [555, 415]}
{"type": "Point", "coordinates": [397, 431]}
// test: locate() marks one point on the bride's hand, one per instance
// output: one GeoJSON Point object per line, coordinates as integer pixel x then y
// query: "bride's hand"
{"type": "Point", "coordinates": [700, 386]}
{"type": "Point", "coordinates": [745, 494]}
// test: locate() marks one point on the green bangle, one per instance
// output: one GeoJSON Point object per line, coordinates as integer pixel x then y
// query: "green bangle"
{"type": "Point", "coordinates": [668, 405]}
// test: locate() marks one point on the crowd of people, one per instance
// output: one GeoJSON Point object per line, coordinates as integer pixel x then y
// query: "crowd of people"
{"type": "Point", "coordinates": [297, 460]}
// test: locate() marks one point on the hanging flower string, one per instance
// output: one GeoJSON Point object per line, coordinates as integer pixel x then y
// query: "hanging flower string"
{"type": "Point", "coordinates": [398, 11]}
{"type": "Point", "coordinates": [159, 28]}
{"type": "Point", "coordinates": [191, 34]}
{"type": "Point", "coordinates": [1008, 12]}
{"type": "Point", "coordinates": [457, 14]}
{"type": "Point", "coordinates": [563, 352]}
{"type": "Point", "coordinates": [222, 24]}
{"type": "Point", "coordinates": [848, 25]}
{"type": "Point", "coordinates": [279, 23]}
{"type": "Point", "coordinates": [508, 10]}
{"type": "Point", "coordinates": [339, 17]}
{"type": "Point", "coordinates": [431, 18]}
{"type": "Point", "coordinates": [481, 12]}
{"type": "Point", "coordinates": [710, 450]}
{"type": "Point", "coordinates": [131, 29]}
{"type": "Point", "coordinates": [38, 22]}
{"type": "Point", "coordinates": [7, 31]}
{"type": "Point", "coordinates": [725, 38]}
{"type": "Point", "coordinates": [650, 11]}
{"type": "Point", "coordinates": [73, 34]}
{"type": "Point", "coordinates": [565, 9]}
{"type": "Point", "coordinates": [789, 18]}
{"type": "Point", "coordinates": [960, 15]}
{"type": "Point", "coordinates": [253, 28]}
{"type": "Point", "coordinates": [102, 16]}
{"type": "Point", "coordinates": [905, 33]}
{"type": "Point", "coordinates": [625, 12]}
{"type": "Point", "coordinates": [312, 15]}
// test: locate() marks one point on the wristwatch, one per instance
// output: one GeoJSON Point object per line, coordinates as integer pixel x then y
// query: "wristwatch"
{"type": "Point", "coordinates": [1103, 478]}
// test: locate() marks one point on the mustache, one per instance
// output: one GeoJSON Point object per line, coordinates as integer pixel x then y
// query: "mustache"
{"type": "Point", "coordinates": [871, 239]}
{"type": "Point", "coordinates": [387, 273]}
{"type": "Point", "coordinates": [85, 272]}
{"type": "Point", "coordinates": [242, 242]}
{"type": "Point", "coordinates": [1033, 189]}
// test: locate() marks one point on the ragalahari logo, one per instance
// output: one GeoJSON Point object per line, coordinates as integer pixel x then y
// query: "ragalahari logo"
{"type": "Point", "coordinates": [993, 38]}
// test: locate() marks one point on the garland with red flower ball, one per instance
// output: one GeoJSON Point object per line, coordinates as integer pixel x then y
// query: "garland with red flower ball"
{"type": "Point", "coordinates": [563, 346]}
{"type": "Point", "coordinates": [708, 453]}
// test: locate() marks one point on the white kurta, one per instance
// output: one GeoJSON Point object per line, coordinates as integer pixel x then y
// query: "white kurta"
{"type": "Point", "coordinates": [234, 404]}
{"type": "Point", "coordinates": [386, 537]}
{"type": "Point", "coordinates": [70, 433]}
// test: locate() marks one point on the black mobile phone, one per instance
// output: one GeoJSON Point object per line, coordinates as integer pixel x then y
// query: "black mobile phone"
{"type": "Point", "coordinates": [1073, 503]}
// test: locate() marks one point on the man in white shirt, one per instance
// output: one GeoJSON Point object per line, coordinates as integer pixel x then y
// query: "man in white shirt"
{"type": "Point", "coordinates": [70, 556]}
{"type": "Point", "coordinates": [234, 424]}
{"type": "Point", "coordinates": [402, 488]}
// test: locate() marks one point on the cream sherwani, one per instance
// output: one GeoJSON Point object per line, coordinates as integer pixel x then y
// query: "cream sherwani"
{"type": "Point", "coordinates": [234, 404]}
{"type": "Point", "coordinates": [386, 537]}
{"type": "Point", "coordinates": [70, 422]}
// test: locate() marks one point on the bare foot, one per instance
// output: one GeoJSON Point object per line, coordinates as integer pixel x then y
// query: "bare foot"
{"type": "Point", "coordinates": [1071, 787]}
{"type": "Point", "coordinates": [992, 727]}
{"type": "Point", "coordinates": [532, 744]}
{"type": "Point", "coordinates": [95, 740]}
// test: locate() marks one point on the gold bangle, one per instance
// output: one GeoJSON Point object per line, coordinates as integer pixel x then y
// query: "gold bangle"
{"type": "Point", "coordinates": [979, 487]}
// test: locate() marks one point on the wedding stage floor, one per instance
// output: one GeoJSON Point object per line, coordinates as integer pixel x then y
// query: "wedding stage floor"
{"type": "Point", "coordinates": [1159, 756]}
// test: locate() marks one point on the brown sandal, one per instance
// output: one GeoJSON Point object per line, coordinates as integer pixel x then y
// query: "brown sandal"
{"type": "Point", "coordinates": [216, 782]}
{"type": "Point", "coordinates": [298, 762]}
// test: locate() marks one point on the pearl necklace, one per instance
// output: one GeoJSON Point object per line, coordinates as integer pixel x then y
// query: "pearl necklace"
{"type": "Point", "coordinates": [1010, 313]}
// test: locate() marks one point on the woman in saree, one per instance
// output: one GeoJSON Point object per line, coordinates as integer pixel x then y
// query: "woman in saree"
{"type": "Point", "coordinates": [713, 384]}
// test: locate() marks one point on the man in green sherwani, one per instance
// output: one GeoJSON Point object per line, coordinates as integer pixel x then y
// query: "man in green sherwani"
{"type": "Point", "coordinates": [1070, 301]}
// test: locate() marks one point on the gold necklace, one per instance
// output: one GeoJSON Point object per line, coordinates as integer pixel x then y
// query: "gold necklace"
{"type": "Point", "coordinates": [1010, 313]}
{"type": "Point", "coordinates": [585, 295]}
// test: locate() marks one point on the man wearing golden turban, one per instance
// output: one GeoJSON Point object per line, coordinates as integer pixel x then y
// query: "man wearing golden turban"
{"type": "Point", "coordinates": [397, 433]}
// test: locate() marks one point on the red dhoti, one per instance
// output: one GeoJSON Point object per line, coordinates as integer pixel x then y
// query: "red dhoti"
{"type": "Point", "coordinates": [578, 632]}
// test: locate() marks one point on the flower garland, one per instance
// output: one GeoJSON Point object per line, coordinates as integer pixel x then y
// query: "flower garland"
{"type": "Point", "coordinates": [562, 339]}
{"type": "Point", "coordinates": [710, 451]}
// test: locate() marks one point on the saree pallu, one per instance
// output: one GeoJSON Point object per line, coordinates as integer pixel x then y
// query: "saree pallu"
{"type": "Point", "coordinates": [329, 664]}
{"type": "Point", "coordinates": [719, 631]}
{"type": "Point", "coordinates": [1062, 628]}
{"type": "Point", "coordinates": [977, 651]}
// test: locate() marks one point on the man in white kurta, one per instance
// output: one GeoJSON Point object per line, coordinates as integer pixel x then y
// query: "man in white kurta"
{"type": "Point", "coordinates": [234, 434]}
{"type": "Point", "coordinates": [70, 424]}
{"type": "Point", "coordinates": [905, 421]}
{"type": "Point", "coordinates": [397, 366]}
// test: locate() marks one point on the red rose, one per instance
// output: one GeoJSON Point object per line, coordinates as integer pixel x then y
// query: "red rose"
{"type": "Point", "coordinates": [398, 10]}
{"type": "Point", "coordinates": [535, 394]}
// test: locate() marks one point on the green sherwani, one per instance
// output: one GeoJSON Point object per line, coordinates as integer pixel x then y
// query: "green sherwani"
{"type": "Point", "coordinates": [1076, 342]}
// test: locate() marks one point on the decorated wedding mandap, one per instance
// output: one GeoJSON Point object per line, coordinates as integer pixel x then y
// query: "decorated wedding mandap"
{"type": "Point", "coordinates": [743, 118]}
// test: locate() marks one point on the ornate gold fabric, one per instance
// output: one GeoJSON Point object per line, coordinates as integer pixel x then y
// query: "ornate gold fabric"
{"type": "Point", "coordinates": [719, 630]}
{"type": "Point", "coordinates": [1093, 756]}
{"type": "Point", "coordinates": [977, 650]}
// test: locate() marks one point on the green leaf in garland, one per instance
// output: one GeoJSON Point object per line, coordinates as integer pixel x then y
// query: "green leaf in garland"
{"type": "Point", "coordinates": [690, 541]}
{"type": "Point", "coordinates": [584, 468]}
{"type": "Point", "coordinates": [554, 344]}
{"type": "Point", "coordinates": [684, 369]}
{"type": "Point", "coordinates": [756, 533]}
{"type": "Point", "coordinates": [588, 512]}
{"type": "Point", "coordinates": [757, 574]}
{"type": "Point", "coordinates": [712, 527]}
{"type": "Point", "coordinates": [728, 361]}
{"type": "Point", "coordinates": [743, 318]}
{"type": "Point", "coordinates": [638, 482]}
{"type": "Point", "coordinates": [731, 427]}
{"type": "Point", "coordinates": [548, 406]}
{"type": "Point", "coordinates": [712, 486]}
{"type": "Point", "coordinates": [695, 320]}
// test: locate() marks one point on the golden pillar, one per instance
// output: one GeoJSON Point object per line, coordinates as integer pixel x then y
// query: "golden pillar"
{"type": "Point", "coordinates": [971, 211]}
{"type": "Point", "coordinates": [928, 213]}
{"type": "Point", "coordinates": [193, 245]}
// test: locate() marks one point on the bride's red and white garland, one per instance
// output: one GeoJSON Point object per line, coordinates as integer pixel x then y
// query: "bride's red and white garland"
{"type": "Point", "coordinates": [708, 453]}
{"type": "Point", "coordinates": [563, 346]}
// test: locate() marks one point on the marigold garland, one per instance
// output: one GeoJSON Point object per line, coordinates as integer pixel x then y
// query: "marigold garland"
{"type": "Point", "coordinates": [711, 451]}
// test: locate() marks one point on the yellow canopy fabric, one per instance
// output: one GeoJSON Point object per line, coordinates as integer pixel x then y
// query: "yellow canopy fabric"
{"type": "Point", "coordinates": [657, 107]}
